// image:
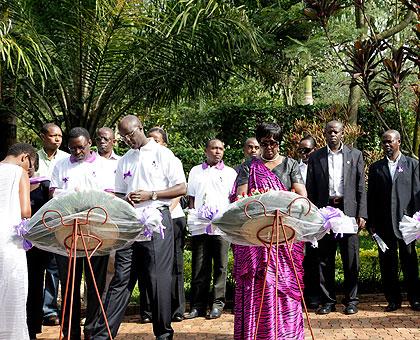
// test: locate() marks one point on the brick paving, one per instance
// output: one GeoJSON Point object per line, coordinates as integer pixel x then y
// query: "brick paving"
{"type": "Point", "coordinates": [370, 323]}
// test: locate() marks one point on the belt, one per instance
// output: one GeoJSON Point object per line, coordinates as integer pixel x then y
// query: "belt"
{"type": "Point", "coordinates": [336, 200]}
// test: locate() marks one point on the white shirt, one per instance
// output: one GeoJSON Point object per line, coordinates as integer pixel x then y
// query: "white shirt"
{"type": "Point", "coordinates": [336, 172]}
{"type": "Point", "coordinates": [46, 165]}
{"type": "Point", "coordinates": [303, 167]}
{"type": "Point", "coordinates": [211, 185]}
{"type": "Point", "coordinates": [392, 165]}
{"type": "Point", "coordinates": [68, 175]}
{"type": "Point", "coordinates": [111, 164]}
{"type": "Point", "coordinates": [153, 167]}
{"type": "Point", "coordinates": [177, 212]}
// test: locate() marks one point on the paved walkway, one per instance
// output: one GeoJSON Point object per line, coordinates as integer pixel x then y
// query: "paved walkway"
{"type": "Point", "coordinates": [370, 323]}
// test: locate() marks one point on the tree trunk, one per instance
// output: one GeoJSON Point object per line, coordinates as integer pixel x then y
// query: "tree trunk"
{"type": "Point", "coordinates": [309, 100]}
{"type": "Point", "coordinates": [8, 131]}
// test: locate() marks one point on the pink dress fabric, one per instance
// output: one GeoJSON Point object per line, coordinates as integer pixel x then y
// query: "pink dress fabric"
{"type": "Point", "coordinates": [249, 269]}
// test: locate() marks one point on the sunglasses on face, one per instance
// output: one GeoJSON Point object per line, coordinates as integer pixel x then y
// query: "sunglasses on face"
{"type": "Point", "coordinates": [271, 143]}
{"type": "Point", "coordinates": [305, 150]}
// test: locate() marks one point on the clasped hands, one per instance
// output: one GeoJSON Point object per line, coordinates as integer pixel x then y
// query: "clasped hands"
{"type": "Point", "coordinates": [138, 196]}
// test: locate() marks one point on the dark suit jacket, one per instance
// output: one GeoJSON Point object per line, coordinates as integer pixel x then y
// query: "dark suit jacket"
{"type": "Point", "coordinates": [389, 200]}
{"type": "Point", "coordinates": [317, 181]}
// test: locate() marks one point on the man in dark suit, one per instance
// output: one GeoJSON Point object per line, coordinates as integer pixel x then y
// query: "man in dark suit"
{"type": "Point", "coordinates": [336, 178]}
{"type": "Point", "coordinates": [393, 192]}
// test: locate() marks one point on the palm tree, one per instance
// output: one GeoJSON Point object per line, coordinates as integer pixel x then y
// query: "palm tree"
{"type": "Point", "coordinates": [113, 57]}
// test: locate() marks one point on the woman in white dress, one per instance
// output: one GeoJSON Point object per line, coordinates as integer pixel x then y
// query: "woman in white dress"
{"type": "Point", "coordinates": [14, 205]}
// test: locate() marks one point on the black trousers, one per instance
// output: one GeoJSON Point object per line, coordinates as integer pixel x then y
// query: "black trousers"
{"type": "Point", "coordinates": [153, 260]}
{"type": "Point", "coordinates": [388, 262]}
{"type": "Point", "coordinates": [177, 292]}
{"type": "Point", "coordinates": [209, 255]}
{"type": "Point", "coordinates": [349, 250]}
{"type": "Point", "coordinates": [312, 291]}
{"type": "Point", "coordinates": [99, 265]}
{"type": "Point", "coordinates": [37, 260]}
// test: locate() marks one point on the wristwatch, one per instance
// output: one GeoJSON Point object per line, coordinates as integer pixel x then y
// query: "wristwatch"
{"type": "Point", "coordinates": [154, 196]}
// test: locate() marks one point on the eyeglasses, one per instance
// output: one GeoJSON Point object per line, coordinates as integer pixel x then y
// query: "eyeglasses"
{"type": "Point", "coordinates": [99, 139]}
{"type": "Point", "coordinates": [76, 148]}
{"type": "Point", "coordinates": [130, 134]}
{"type": "Point", "coordinates": [271, 143]}
{"type": "Point", "coordinates": [305, 150]}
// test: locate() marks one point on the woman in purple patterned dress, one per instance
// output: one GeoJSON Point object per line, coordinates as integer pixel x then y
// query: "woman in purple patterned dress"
{"type": "Point", "coordinates": [276, 172]}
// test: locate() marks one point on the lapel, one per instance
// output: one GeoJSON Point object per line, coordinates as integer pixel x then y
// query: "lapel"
{"type": "Point", "coordinates": [385, 170]}
{"type": "Point", "coordinates": [347, 163]}
{"type": "Point", "coordinates": [401, 167]}
{"type": "Point", "coordinates": [323, 160]}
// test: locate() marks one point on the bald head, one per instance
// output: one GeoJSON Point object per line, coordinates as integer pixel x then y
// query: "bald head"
{"type": "Point", "coordinates": [129, 121]}
{"type": "Point", "coordinates": [251, 147]}
{"type": "Point", "coordinates": [131, 130]}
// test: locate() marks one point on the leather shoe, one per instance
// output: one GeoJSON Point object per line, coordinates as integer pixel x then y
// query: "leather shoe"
{"type": "Point", "coordinates": [177, 317]}
{"type": "Point", "coordinates": [215, 313]}
{"type": "Point", "coordinates": [350, 309]}
{"type": "Point", "coordinates": [145, 319]}
{"type": "Point", "coordinates": [52, 320]}
{"type": "Point", "coordinates": [392, 306]}
{"type": "Point", "coordinates": [325, 309]}
{"type": "Point", "coordinates": [416, 306]}
{"type": "Point", "coordinates": [194, 313]}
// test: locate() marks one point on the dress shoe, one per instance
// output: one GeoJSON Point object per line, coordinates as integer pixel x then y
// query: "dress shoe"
{"type": "Point", "coordinates": [416, 306]}
{"type": "Point", "coordinates": [325, 309]}
{"type": "Point", "coordinates": [145, 319]}
{"type": "Point", "coordinates": [177, 317]}
{"type": "Point", "coordinates": [51, 320]}
{"type": "Point", "coordinates": [392, 306]}
{"type": "Point", "coordinates": [194, 313]}
{"type": "Point", "coordinates": [350, 309]}
{"type": "Point", "coordinates": [215, 313]}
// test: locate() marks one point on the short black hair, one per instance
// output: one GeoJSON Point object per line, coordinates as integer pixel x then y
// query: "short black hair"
{"type": "Point", "coordinates": [310, 139]}
{"type": "Point", "coordinates": [212, 140]}
{"type": "Point", "coordinates": [161, 131]}
{"type": "Point", "coordinates": [79, 132]}
{"type": "Point", "coordinates": [268, 130]}
{"type": "Point", "coordinates": [20, 148]}
{"type": "Point", "coordinates": [46, 126]}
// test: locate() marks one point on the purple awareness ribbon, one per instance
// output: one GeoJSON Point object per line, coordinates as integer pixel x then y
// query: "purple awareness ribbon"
{"type": "Point", "coordinates": [21, 231]}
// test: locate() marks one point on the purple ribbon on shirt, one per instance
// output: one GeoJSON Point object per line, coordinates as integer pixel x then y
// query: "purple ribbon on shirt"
{"type": "Point", "coordinates": [208, 213]}
{"type": "Point", "coordinates": [21, 230]}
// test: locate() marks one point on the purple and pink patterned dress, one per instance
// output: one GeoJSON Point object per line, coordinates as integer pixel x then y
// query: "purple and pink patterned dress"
{"type": "Point", "coordinates": [249, 270]}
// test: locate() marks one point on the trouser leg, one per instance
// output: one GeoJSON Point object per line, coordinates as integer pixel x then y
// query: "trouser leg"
{"type": "Point", "coordinates": [349, 249]}
{"type": "Point", "coordinates": [219, 248]}
{"type": "Point", "coordinates": [178, 294]}
{"type": "Point", "coordinates": [93, 310]}
{"type": "Point", "coordinates": [50, 307]}
{"type": "Point", "coordinates": [388, 262]}
{"type": "Point", "coordinates": [119, 292]}
{"type": "Point", "coordinates": [327, 250]}
{"type": "Point", "coordinates": [410, 268]}
{"type": "Point", "coordinates": [155, 264]}
{"type": "Point", "coordinates": [311, 274]}
{"type": "Point", "coordinates": [200, 273]}
{"type": "Point", "coordinates": [62, 262]}
{"type": "Point", "coordinates": [37, 260]}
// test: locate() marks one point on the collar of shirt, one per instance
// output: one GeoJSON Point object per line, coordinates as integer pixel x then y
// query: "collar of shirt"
{"type": "Point", "coordinates": [90, 159]}
{"type": "Point", "coordinates": [390, 162]}
{"type": "Point", "coordinates": [44, 155]}
{"type": "Point", "coordinates": [114, 156]}
{"type": "Point", "coordinates": [218, 166]}
{"type": "Point", "coordinates": [329, 151]}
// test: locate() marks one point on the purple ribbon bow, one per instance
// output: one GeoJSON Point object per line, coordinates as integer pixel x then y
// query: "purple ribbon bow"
{"type": "Point", "coordinates": [328, 213]}
{"type": "Point", "coordinates": [146, 217]}
{"type": "Point", "coordinates": [21, 230]}
{"type": "Point", "coordinates": [208, 213]}
{"type": "Point", "coordinates": [127, 174]}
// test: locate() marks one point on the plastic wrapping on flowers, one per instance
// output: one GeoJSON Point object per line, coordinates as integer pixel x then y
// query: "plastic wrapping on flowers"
{"type": "Point", "coordinates": [117, 228]}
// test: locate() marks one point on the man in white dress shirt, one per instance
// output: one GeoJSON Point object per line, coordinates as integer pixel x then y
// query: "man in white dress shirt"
{"type": "Point", "coordinates": [49, 155]}
{"type": "Point", "coordinates": [307, 146]}
{"type": "Point", "coordinates": [209, 186]}
{"type": "Point", "coordinates": [147, 177]}
{"type": "Point", "coordinates": [83, 170]}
